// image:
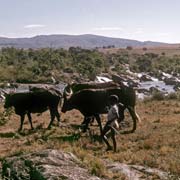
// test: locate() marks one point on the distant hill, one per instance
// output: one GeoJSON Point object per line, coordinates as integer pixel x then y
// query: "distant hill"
{"type": "Point", "coordinates": [66, 41]}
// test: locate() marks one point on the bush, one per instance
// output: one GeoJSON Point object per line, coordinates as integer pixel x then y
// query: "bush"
{"type": "Point", "coordinates": [159, 96]}
{"type": "Point", "coordinates": [173, 95]}
{"type": "Point", "coordinates": [129, 47]}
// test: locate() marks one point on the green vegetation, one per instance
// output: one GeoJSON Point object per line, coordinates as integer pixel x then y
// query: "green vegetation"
{"type": "Point", "coordinates": [18, 65]}
{"type": "Point", "coordinates": [155, 142]}
{"type": "Point", "coordinates": [150, 62]}
{"type": "Point", "coordinates": [32, 66]}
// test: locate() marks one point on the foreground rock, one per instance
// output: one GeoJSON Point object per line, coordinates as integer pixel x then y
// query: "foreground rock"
{"type": "Point", "coordinates": [136, 172]}
{"type": "Point", "coordinates": [57, 165]}
{"type": "Point", "coordinates": [48, 164]}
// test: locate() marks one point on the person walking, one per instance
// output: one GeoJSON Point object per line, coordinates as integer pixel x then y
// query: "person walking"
{"type": "Point", "coordinates": [114, 117]}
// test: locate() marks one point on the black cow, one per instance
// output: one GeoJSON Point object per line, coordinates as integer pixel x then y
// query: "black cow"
{"type": "Point", "coordinates": [34, 102]}
{"type": "Point", "coordinates": [93, 102]}
{"type": "Point", "coordinates": [76, 87]}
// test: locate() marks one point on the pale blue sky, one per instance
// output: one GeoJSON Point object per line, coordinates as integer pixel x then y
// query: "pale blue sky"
{"type": "Point", "coordinates": [156, 20]}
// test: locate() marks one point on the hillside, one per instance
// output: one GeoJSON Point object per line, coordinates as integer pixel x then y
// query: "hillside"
{"type": "Point", "coordinates": [66, 41]}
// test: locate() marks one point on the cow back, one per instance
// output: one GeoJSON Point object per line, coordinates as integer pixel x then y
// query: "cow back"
{"type": "Point", "coordinates": [95, 101]}
{"type": "Point", "coordinates": [36, 102]}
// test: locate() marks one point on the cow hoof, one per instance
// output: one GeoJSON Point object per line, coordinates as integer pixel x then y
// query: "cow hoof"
{"type": "Point", "coordinates": [109, 148]}
{"type": "Point", "coordinates": [49, 127]}
{"type": "Point", "coordinates": [19, 130]}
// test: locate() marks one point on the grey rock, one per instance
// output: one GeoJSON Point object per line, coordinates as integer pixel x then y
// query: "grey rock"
{"type": "Point", "coordinates": [48, 164]}
{"type": "Point", "coordinates": [136, 172]}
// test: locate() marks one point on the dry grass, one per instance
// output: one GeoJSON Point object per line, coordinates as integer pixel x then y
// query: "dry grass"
{"type": "Point", "coordinates": [166, 50]}
{"type": "Point", "coordinates": [155, 143]}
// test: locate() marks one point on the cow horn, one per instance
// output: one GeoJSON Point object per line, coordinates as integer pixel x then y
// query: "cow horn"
{"type": "Point", "coordinates": [2, 96]}
{"type": "Point", "coordinates": [68, 93]}
{"type": "Point", "coordinates": [4, 92]}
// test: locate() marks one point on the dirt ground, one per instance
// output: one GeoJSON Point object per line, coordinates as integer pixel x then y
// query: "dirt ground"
{"type": "Point", "coordinates": [155, 143]}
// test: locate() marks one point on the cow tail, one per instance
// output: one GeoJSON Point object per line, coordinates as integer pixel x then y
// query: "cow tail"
{"type": "Point", "coordinates": [61, 102]}
{"type": "Point", "coordinates": [134, 116]}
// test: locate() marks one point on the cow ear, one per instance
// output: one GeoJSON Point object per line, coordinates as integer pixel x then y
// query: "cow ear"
{"type": "Point", "coordinates": [121, 105]}
{"type": "Point", "coordinates": [4, 92]}
{"type": "Point", "coordinates": [2, 96]}
{"type": "Point", "coordinates": [12, 91]}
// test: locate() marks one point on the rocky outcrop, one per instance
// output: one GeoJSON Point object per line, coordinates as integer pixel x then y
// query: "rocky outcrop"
{"type": "Point", "coordinates": [45, 165]}
{"type": "Point", "coordinates": [57, 165]}
{"type": "Point", "coordinates": [125, 80]}
{"type": "Point", "coordinates": [171, 81]}
{"type": "Point", "coordinates": [145, 77]}
{"type": "Point", "coordinates": [136, 172]}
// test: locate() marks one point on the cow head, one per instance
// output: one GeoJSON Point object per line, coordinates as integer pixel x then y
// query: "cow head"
{"type": "Point", "coordinates": [67, 105]}
{"type": "Point", "coordinates": [8, 101]}
{"type": "Point", "coordinates": [3, 95]}
{"type": "Point", "coordinates": [67, 92]}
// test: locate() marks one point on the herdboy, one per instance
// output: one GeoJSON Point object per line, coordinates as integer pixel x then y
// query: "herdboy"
{"type": "Point", "coordinates": [115, 115]}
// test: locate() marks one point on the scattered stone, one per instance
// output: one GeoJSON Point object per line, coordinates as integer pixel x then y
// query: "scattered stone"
{"type": "Point", "coordinates": [136, 172]}
{"type": "Point", "coordinates": [145, 77]}
{"type": "Point", "coordinates": [58, 165]}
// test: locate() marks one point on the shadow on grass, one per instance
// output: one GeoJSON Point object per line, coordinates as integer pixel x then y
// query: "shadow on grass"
{"type": "Point", "coordinates": [17, 134]}
{"type": "Point", "coordinates": [8, 135]}
{"type": "Point", "coordinates": [76, 127]}
{"type": "Point", "coordinates": [96, 138]}
{"type": "Point", "coordinates": [27, 132]}
{"type": "Point", "coordinates": [68, 138]}
{"type": "Point", "coordinates": [39, 129]}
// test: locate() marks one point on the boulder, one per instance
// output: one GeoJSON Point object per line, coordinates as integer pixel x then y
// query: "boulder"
{"type": "Point", "coordinates": [136, 172]}
{"type": "Point", "coordinates": [125, 80]}
{"type": "Point", "coordinates": [153, 90]}
{"type": "Point", "coordinates": [58, 165]}
{"type": "Point", "coordinates": [171, 81]}
{"type": "Point", "coordinates": [45, 165]}
{"type": "Point", "coordinates": [145, 77]}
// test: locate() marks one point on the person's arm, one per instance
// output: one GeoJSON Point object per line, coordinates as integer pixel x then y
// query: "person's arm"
{"type": "Point", "coordinates": [116, 112]}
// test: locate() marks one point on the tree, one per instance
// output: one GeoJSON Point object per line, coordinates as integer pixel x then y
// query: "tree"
{"type": "Point", "coordinates": [129, 47]}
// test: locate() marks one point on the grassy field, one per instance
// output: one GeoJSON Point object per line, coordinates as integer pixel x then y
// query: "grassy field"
{"type": "Point", "coordinates": [167, 50]}
{"type": "Point", "coordinates": [155, 142]}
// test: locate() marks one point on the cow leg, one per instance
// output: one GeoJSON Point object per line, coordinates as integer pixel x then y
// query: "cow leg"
{"type": "Point", "coordinates": [98, 119]}
{"type": "Point", "coordinates": [113, 139]}
{"type": "Point", "coordinates": [52, 113]}
{"type": "Point", "coordinates": [30, 120]}
{"type": "Point", "coordinates": [22, 121]}
{"type": "Point", "coordinates": [85, 123]}
{"type": "Point", "coordinates": [134, 116]}
{"type": "Point", "coordinates": [57, 116]}
{"type": "Point", "coordinates": [121, 113]}
{"type": "Point", "coordinates": [91, 120]}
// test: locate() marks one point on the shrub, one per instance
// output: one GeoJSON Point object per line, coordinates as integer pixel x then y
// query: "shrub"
{"type": "Point", "coordinates": [172, 95]}
{"type": "Point", "coordinates": [129, 47]}
{"type": "Point", "coordinates": [159, 96]}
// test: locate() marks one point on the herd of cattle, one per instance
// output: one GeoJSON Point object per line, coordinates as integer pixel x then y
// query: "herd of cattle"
{"type": "Point", "coordinates": [91, 99]}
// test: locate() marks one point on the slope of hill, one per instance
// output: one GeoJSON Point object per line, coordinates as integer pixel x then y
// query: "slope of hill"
{"type": "Point", "coordinates": [66, 41]}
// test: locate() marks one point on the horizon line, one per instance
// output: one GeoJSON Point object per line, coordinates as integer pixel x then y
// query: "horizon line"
{"type": "Point", "coordinates": [33, 36]}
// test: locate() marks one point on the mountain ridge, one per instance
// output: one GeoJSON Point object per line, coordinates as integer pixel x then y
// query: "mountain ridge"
{"type": "Point", "coordinates": [87, 41]}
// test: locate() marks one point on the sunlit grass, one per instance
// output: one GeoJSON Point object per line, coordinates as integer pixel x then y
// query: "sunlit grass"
{"type": "Point", "coordinates": [155, 142]}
